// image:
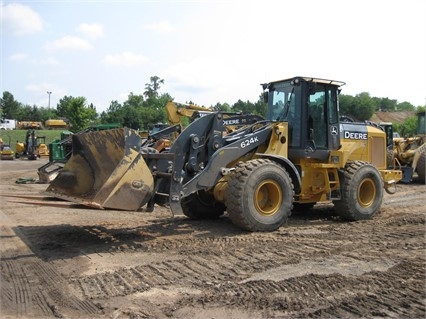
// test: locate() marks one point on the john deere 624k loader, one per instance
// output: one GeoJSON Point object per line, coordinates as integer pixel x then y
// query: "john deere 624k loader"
{"type": "Point", "coordinates": [299, 155]}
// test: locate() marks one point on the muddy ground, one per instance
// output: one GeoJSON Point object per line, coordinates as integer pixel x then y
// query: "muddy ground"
{"type": "Point", "coordinates": [61, 260]}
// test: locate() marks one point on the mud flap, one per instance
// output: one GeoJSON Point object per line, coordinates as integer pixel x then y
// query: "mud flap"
{"type": "Point", "coordinates": [105, 170]}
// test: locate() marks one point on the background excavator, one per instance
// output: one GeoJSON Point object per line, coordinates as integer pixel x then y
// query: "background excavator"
{"type": "Point", "coordinates": [299, 155]}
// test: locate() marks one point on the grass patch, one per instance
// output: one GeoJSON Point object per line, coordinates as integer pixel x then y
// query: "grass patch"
{"type": "Point", "coordinates": [12, 136]}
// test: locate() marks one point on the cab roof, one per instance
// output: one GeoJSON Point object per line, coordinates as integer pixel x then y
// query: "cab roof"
{"type": "Point", "coordinates": [311, 79]}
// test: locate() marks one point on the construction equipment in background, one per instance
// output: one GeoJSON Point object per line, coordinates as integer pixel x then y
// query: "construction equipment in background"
{"type": "Point", "coordinates": [28, 148]}
{"type": "Point", "coordinates": [176, 112]}
{"type": "Point", "coordinates": [56, 124]}
{"type": "Point", "coordinates": [409, 153]}
{"type": "Point", "coordinates": [300, 155]}
{"type": "Point", "coordinates": [29, 125]}
{"type": "Point", "coordinates": [60, 151]}
{"type": "Point", "coordinates": [42, 149]}
{"type": "Point", "coordinates": [6, 153]}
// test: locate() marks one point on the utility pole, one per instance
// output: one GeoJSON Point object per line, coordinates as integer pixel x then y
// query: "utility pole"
{"type": "Point", "coordinates": [48, 92]}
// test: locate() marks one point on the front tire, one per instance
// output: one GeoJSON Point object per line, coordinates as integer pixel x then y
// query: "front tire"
{"type": "Point", "coordinates": [362, 191]}
{"type": "Point", "coordinates": [260, 195]}
{"type": "Point", "coordinates": [421, 167]}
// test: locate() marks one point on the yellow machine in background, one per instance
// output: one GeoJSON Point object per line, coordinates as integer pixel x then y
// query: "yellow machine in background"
{"type": "Point", "coordinates": [299, 155]}
{"type": "Point", "coordinates": [33, 147]}
{"type": "Point", "coordinates": [53, 124]}
{"type": "Point", "coordinates": [42, 148]}
{"type": "Point", "coordinates": [6, 153]}
{"type": "Point", "coordinates": [409, 153]}
{"type": "Point", "coordinates": [30, 125]}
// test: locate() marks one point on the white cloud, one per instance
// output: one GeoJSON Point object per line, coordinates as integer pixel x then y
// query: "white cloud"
{"type": "Point", "coordinates": [21, 57]}
{"type": "Point", "coordinates": [47, 61]}
{"type": "Point", "coordinates": [91, 30]}
{"type": "Point", "coordinates": [68, 43]}
{"type": "Point", "coordinates": [199, 74]}
{"type": "Point", "coordinates": [18, 57]}
{"type": "Point", "coordinates": [39, 87]}
{"type": "Point", "coordinates": [161, 27]}
{"type": "Point", "coordinates": [125, 59]}
{"type": "Point", "coordinates": [19, 19]}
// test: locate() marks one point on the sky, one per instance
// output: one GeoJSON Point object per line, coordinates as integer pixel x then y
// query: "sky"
{"type": "Point", "coordinates": [209, 52]}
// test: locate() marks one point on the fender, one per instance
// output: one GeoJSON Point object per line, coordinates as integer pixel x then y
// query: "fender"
{"type": "Point", "coordinates": [289, 167]}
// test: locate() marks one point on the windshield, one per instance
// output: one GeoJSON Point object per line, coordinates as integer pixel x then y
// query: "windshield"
{"type": "Point", "coordinates": [285, 105]}
{"type": "Point", "coordinates": [281, 100]}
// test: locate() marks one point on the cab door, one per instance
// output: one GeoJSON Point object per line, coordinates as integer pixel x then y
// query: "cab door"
{"type": "Point", "coordinates": [323, 118]}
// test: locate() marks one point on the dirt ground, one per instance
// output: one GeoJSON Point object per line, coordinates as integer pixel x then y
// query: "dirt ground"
{"type": "Point", "coordinates": [61, 260]}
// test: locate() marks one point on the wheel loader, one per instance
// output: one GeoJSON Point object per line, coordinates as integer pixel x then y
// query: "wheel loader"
{"type": "Point", "coordinates": [409, 153]}
{"type": "Point", "coordinates": [299, 155]}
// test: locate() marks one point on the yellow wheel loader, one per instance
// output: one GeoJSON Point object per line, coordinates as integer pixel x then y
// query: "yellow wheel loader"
{"type": "Point", "coordinates": [409, 153]}
{"type": "Point", "coordinates": [299, 155]}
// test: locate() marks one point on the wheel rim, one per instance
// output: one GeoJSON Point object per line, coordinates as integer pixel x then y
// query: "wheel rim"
{"type": "Point", "coordinates": [367, 192]}
{"type": "Point", "coordinates": [268, 197]}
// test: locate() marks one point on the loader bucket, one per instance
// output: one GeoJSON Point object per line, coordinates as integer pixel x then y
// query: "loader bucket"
{"type": "Point", "coordinates": [105, 170]}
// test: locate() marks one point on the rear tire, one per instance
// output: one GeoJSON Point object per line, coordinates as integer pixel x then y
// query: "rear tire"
{"type": "Point", "coordinates": [421, 167]}
{"type": "Point", "coordinates": [362, 191]}
{"type": "Point", "coordinates": [202, 205]}
{"type": "Point", "coordinates": [260, 195]}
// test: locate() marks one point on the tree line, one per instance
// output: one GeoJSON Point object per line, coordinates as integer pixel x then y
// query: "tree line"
{"type": "Point", "coordinates": [142, 111]}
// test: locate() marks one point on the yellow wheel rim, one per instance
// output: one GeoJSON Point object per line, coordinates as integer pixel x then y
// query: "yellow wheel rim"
{"type": "Point", "coordinates": [268, 197]}
{"type": "Point", "coordinates": [366, 192]}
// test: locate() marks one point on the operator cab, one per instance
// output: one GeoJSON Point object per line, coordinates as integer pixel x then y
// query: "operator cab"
{"type": "Point", "coordinates": [310, 106]}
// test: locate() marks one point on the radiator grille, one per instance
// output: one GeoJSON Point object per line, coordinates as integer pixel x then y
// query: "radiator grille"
{"type": "Point", "coordinates": [378, 152]}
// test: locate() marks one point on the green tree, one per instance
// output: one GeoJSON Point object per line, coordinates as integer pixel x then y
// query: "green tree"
{"type": "Point", "coordinates": [75, 110]}
{"type": "Point", "coordinates": [360, 108]}
{"type": "Point", "coordinates": [405, 106]}
{"type": "Point", "coordinates": [244, 107]}
{"type": "Point", "coordinates": [364, 106]}
{"type": "Point", "coordinates": [152, 88]}
{"type": "Point", "coordinates": [408, 127]}
{"type": "Point", "coordinates": [346, 105]}
{"type": "Point", "coordinates": [131, 111]}
{"type": "Point", "coordinates": [113, 114]}
{"type": "Point", "coordinates": [261, 106]}
{"type": "Point", "coordinates": [9, 106]}
{"type": "Point", "coordinates": [29, 113]}
{"type": "Point", "coordinates": [222, 107]}
{"type": "Point", "coordinates": [63, 105]}
{"type": "Point", "coordinates": [386, 105]}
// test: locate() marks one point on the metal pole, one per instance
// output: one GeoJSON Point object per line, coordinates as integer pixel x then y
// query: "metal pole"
{"type": "Point", "coordinates": [49, 98]}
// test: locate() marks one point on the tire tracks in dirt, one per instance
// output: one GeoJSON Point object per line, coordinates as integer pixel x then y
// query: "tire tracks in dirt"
{"type": "Point", "coordinates": [31, 287]}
